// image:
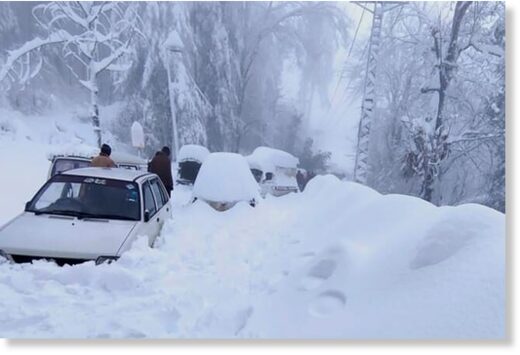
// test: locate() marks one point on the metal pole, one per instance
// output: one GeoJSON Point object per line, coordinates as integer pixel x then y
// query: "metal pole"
{"type": "Point", "coordinates": [368, 104]}
{"type": "Point", "coordinates": [172, 111]}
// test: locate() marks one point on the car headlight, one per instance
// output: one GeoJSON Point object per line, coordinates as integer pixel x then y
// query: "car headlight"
{"type": "Point", "coordinates": [106, 259]}
{"type": "Point", "coordinates": [4, 255]}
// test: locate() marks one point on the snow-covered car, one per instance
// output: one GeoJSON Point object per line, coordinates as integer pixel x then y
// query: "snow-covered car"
{"type": "Point", "coordinates": [87, 214]}
{"type": "Point", "coordinates": [191, 157]}
{"type": "Point", "coordinates": [224, 180]}
{"type": "Point", "coordinates": [275, 170]}
{"type": "Point", "coordinates": [61, 162]}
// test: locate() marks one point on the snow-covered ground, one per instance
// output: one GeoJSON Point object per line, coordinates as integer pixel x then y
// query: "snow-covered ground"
{"type": "Point", "coordinates": [337, 261]}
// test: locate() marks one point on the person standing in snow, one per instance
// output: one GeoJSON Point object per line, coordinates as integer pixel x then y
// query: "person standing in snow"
{"type": "Point", "coordinates": [103, 160]}
{"type": "Point", "coordinates": [300, 179]}
{"type": "Point", "coordinates": [309, 176]}
{"type": "Point", "coordinates": [162, 166]}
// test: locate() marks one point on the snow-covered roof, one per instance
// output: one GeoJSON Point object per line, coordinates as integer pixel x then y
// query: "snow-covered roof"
{"type": "Point", "coordinates": [193, 152]}
{"type": "Point", "coordinates": [270, 158]}
{"type": "Point", "coordinates": [80, 150]}
{"type": "Point", "coordinates": [85, 151]}
{"type": "Point", "coordinates": [225, 177]}
{"type": "Point", "coordinates": [107, 173]}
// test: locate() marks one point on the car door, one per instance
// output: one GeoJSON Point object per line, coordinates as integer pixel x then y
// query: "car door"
{"type": "Point", "coordinates": [151, 227]}
{"type": "Point", "coordinates": [161, 196]}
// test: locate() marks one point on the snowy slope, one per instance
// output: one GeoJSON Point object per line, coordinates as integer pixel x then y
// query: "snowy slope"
{"type": "Point", "coordinates": [337, 261]}
{"type": "Point", "coordinates": [25, 143]}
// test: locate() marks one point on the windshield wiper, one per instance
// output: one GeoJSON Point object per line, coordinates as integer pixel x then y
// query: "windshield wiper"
{"type": "Point", "coordinates": [104, 216]}
{"type": "Point", "coordinates": [82, 215]}
{"type": "Point", "coordinates": [57, 212]}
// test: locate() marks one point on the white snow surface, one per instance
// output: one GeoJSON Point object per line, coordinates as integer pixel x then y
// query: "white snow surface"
{"type": "Point", "coordinates": [270, 158]}
{"type": "Point", "coordinates": [193, 152]}
{"type": "Point", "coordinates": [225, 177]}
{"type": "Point", "coordinates": [336, 261]}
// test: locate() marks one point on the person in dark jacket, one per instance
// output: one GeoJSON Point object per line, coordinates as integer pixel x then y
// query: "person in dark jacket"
{"type": "Point", "coordinates": [103, 160]}
{"type": "Point", "coordinates": [300, 179]}
{"type": "Point", "coordinates": [162, 166]}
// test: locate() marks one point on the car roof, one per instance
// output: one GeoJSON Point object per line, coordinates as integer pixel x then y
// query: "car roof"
{"type": "Point", "coordinates": [117, 157]}
{"type": "Point", "coordinates": [108, 173]}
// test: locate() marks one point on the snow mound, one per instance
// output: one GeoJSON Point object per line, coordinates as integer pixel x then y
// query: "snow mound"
{"type": "Point", "coordinates": [225, 177]}
{"type": "Point", "coordinates": [193, 152]}
{"type": "Point", "coordinates": [369, 260]}
{"type": "Point", "coordinates": [270, 158]}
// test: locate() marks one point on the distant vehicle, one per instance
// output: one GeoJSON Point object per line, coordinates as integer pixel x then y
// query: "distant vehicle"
{"type": "Point", "coordinates": [87, 214]}
{"type": "Point", "coordinates": [224, 180]}
{"type": "Point", "coordinates": [62, 162]}
{"type": "Point", "coordinates": [191, 157]}
{"type": "Point", "coordinates": [275, 170]}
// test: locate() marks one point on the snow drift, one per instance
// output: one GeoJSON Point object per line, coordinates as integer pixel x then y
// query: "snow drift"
{"type": "Point", "coordinates": [337, 261]}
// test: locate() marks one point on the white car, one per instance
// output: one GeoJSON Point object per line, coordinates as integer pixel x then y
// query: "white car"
{"type": "Point", "coordinates": [87, 214]}
{"type": "Point", "coordinates": [224, 179]}
{"type": "Point", "coordinates": [68, 161]}
{"type": "Point", "coordinates": [275, 170]}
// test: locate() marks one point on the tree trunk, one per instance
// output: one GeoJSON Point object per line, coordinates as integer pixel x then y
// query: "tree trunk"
{"type": "Point", "coordinates": [436, 153]}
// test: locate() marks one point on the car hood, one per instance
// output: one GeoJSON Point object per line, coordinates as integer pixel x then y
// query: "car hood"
{"type": "Point", "coordinates": [63, 236]}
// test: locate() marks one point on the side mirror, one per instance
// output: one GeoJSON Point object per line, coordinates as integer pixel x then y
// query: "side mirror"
{"type": "Point", "coordinates": [27, 204]}
{"type": "Point", "coordinates": [146, 215]}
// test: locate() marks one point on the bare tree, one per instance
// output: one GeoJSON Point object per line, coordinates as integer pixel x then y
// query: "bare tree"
{"type": "Point", "coordinates": [95, 37]}
{"type": "Point", "coordinates": [433, 146]}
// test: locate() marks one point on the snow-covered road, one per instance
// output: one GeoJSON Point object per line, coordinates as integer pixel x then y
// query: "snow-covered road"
{"type": "Point", "coordinates": [337, 261]}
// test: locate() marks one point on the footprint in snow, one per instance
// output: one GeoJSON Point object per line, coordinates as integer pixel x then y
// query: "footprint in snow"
{"type": "Point", "coordinates": [318, 273]}
{"type": "Point", "coordinates": [327, 304]}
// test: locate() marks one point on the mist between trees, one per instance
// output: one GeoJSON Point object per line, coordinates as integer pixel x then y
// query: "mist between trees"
{"type": "Point", "coordinates": [439, 119]}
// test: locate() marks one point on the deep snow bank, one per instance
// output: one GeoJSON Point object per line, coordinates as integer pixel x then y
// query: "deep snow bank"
{"type": "Point", "coordinates": [338, 261]}
{"type": "Point", "coordinates": [392, 266]}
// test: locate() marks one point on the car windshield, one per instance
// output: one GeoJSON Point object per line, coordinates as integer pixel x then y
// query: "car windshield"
{"type": "Point", "coordinates": [88, 197]}
{"type": "Point", "coordinates": [63, 164]}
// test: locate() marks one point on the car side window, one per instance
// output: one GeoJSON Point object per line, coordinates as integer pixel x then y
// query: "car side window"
{"type": "Point", "coordinates": [149, 202]}
{"type": "Point", "coordinates": [162, 189]}
{"type": "Point", "coordinates": [156, 188]}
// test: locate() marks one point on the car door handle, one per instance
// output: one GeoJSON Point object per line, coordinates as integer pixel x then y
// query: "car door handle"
{"type": "Point", "coordinates": [158, 219]}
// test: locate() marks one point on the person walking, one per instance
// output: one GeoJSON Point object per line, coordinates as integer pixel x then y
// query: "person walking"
{"type": "Point", "coordinates": [300, 179]}
{"type": "Point", "coordinates": [103, 160]}
{"type": "Point", "coordinates": [162, 166]}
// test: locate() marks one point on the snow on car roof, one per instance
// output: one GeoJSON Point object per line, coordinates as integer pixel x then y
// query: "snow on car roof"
{"type": "Point", "coordinates": [107, 173]}
{"type": "Point", "coordinates": [80, 150]}
{"type": "Point", "coordinates": [84, 151]}
{"type": "Point", "coordinates": [269, 158]}
{"type": "Point", "coordinates": [225, 177]}
{"type": "Point", "coordinates": [193, 152]}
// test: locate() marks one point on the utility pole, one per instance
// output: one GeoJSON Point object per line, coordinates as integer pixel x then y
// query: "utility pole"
{"type": "Point", "coordinates": [368, 104]}
{"type": "Point", "coordinates": [174, 46]}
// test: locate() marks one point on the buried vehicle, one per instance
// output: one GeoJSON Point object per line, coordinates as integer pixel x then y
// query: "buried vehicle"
{"type": "Point", "coordinates": [87, 214]}
{"type": "Point", "coordinates": [275, 170]}
{"type": "Point", "coordinates": [191, 157]}
{"type": "Point", "coordinates": [224, 179]}
{"type": "Point", "coordinates": [61, 162]}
